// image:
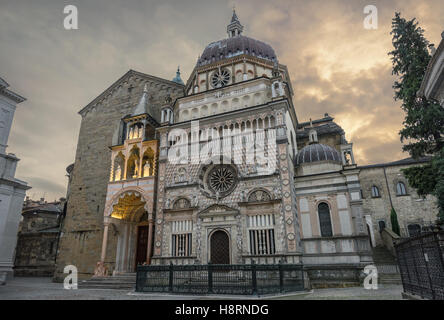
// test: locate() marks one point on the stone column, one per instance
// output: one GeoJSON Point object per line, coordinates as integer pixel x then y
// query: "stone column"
{"type": "Point", "coordinates": [100, 269]}
{"type": "Point", "coordinates": [106, 223]}
{"type": "Point", "coordinates": [150, 241]}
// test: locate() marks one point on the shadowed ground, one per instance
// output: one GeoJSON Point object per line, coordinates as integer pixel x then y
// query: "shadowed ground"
{"type": "Point", "coordinates": [45, 289]}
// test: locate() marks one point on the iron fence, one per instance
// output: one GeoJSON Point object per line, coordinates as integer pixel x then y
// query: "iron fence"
{"type": "Point", "coordinates": [248, 279]}
{"type": "Point", "coordinates": [421, 264]}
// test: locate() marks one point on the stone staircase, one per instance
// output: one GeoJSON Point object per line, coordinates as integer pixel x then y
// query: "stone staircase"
{"type": "Point", "coordinates": [390, 278]}
{"type": "Point", "coordinates": [125, 281]}
{"type": "Point", "coordinates": [388, 271]}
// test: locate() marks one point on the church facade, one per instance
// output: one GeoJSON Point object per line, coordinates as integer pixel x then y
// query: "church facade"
{"type": "Point", "coordinates": [214, 170]}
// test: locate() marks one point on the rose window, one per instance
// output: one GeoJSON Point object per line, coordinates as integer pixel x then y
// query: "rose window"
{"type": "Point", "coordinates": [220, 78]}
{"type": "Point", "coordinates": [221, 180]}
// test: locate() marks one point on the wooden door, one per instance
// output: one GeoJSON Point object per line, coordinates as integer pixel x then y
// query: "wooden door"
{"type": "Point", "coordinates": [142, 244]}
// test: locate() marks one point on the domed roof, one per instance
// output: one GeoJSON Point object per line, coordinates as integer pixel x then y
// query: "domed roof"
{"type": "Point", "coordinates": [234, 46]}
{"type": "Point", "coordinates": [318, 152]}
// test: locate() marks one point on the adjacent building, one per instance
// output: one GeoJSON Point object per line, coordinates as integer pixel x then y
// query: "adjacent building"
{"type": "Point", "coordinates": [384, 187]}
{"type": "Point", "coordinates": [38, 238]}
{"type": "Point", "coordinates": [12, 190]}
{"type": "Point", "coordinates": [432, 86]}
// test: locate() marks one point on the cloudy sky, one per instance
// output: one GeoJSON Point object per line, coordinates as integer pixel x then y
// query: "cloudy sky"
{"type": "Point", "coordinates": [336, 65]}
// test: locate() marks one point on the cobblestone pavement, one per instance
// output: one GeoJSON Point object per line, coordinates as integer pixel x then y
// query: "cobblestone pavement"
{"type": "Point", "coordinates": [45, 289]}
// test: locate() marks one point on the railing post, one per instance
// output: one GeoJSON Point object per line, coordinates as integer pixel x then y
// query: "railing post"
{"type": "Point", "coordinates": [441, 254]}
{"type": "Point", "coordinates": [210, 278]}
{"type": "Point", "coordinates": [253, 277]}
{"type": "Point", "coordinates": [302, 276]}
{"type": "Point", "coordinates": [138, 275]}
{"type": "Point", "coordinates": [170, 285]}
{"type": "Point", "coordinates": [281, 277]}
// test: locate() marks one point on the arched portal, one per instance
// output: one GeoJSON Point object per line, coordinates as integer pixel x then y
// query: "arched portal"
{"type": "Point", "coordinates": [134, 232]}
{"type": "Point", "coordinates": [220, 247]}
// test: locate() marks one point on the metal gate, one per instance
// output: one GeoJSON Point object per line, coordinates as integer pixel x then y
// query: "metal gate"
{"type": "Point", "coordinates": [421, 264]}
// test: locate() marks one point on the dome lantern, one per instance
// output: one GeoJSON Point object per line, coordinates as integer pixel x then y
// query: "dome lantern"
{"type": "Point", "coordinates": [177, 78]}
{"type": "Point", "coordinates": [234, 28]}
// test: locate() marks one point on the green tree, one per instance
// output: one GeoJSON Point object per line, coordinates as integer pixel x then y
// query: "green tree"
{"type": "Point", "coordinates": [394, 221]}
{"type": "Point", "coordinates": [424, 120]}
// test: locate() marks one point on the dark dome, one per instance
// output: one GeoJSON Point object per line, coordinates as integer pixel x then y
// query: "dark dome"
{"type": "Point", "coordinates": [318, 152]}
{"type": "Point", "coordinates": [234, 46]}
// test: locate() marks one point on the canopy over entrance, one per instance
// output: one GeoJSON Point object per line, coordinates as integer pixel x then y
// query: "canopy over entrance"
{"type": "Point", "coordinates": [134, 233]}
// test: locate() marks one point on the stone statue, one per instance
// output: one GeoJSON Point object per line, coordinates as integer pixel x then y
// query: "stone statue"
{"type": "Point", "coordinates": [101, 270]}
{"type": "Point", "coordinates": [146, 169]}
{"type": "Point", "coordinates": [136, 169]}
{"type": "Point", "coordinates": [242, 196]}
{"type": "Point", "coordinates": [118, 174]}
{"type": "Point", "coordinates": [239, 243]}
{"type": "Point", "coordinates": [167, 204]}
{"type": "Point", "coordinates": [195, 201]}
{"type": "Point", "coordinates": [277, 192]}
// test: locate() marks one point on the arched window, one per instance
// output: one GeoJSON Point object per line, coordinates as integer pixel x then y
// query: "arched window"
{"type": "Point", "coordinates": [133, 170]}
{"type": "Point", "coordinates": [375, 192]}
{"type": "Point", "coordinates": [400, 189]}
{"type": "Point", "coordinates": [325, 220]}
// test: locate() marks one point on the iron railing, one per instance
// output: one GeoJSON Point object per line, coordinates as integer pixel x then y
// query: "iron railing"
{"type": "Point", "coordinates": [245, 279]}
{"type": "Point", "coordinates": [421, 264]}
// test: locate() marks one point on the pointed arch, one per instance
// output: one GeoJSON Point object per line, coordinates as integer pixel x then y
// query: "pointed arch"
{"type": "Point", "coordinates": [148, 163]}
{"type": "Point", "coordinates": [118, 167]}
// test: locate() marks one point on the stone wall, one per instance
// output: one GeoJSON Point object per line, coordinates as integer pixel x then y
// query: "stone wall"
{"type": "Point", "coordinates": [35, 254]}
{"type": "Point", "coordinates": [81, 238]}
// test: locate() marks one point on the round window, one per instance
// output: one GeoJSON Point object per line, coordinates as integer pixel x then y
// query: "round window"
{"type": "Point", "coordinates": [220, 78]}
{"type": "Point", "coordinates": [220, 180]}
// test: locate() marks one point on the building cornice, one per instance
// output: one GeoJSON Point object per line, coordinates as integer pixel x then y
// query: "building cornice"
{"type": "Point", "coordinates": [434, 74]}
{"type": "Point", "coordinates": [11, 95]}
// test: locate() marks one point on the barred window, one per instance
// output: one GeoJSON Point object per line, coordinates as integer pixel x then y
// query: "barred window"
{"type": "Point", "coordinates": [181, 238]}
{"type": "Point", "coordinates": [261, 234]}
{"type": "Point", "coordinates": [181, 245]}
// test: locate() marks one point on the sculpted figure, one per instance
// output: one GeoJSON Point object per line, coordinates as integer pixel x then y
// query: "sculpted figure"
{"type": "Point", "coordinates": [101, 270]}
{"type": "Point", "coordinates": [146, 169]}
{"type": "Point", "coordinates": [118, 173]}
